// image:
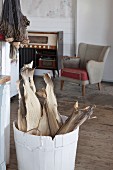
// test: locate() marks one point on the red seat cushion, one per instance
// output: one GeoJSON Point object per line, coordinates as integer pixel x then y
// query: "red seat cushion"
{"type": "Point", "coordinates": [74, 73]}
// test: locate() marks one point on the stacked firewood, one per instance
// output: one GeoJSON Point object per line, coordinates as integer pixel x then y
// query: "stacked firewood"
{"type": "Point", "coordinates": [41, 117]}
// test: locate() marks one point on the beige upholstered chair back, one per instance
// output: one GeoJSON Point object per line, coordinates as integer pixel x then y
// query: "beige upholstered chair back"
{"type": "Point", "coordinates": [88, 52]}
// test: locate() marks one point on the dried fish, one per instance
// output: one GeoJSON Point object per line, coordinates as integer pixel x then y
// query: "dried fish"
{"type": "Point", "coordinates": [43, 127]}
{"type": "Point", "coordinates": [22, 124]}
{"type": "Point", "coordinates": [53, 123]}
{"type": "Point", "coordinates": [34, 132]}
{"type": "Point", "coordinates": [30, 65]}
{"type": "Point", "coordinates": [53, 115]}
{"type": "Point", "coordinates": [43, 124]}
{"type": "Point", "coordinates": [33, 105]}
{"type": "Point", "coordinates": [45, 120]}
{"type": "Point", "coordinates": [76, 119]}
{"type": "Point", "coordinates": [51, 98]}
{"type": "Point", "coordinates": [42, 93]}
{"type": "Point", "coordinates": [30, 74]}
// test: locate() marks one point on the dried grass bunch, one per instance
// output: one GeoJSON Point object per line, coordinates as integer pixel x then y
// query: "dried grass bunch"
{"type": "Point", "coordinates": [41, 117]}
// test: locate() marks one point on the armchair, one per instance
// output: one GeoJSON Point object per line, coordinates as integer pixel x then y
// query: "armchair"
{"type": "Point", "coordinates": [87, 68]}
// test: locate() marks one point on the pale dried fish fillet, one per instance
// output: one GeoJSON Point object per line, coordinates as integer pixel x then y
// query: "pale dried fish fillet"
{"type": "Point", "coordinates": [27, 72]}
{"type": "Point", "coordinates": [53, 115]}
{"type": "Point", "coordinates": [43, 124]}
{"type": "Point", "coordinates": [34, 132]}
{"type": "Point", "coordinates": [42, 93]}
{"type": "Point", "coordinates": [30, 75]}
{"type": "Point", "coordinates": [30, 65]}
{"type": "Point", "coordinates": [53, 123]}
{"type": "Point", "coordinates": [33, 105]}
{"type": "Point", "coordinates": [22, 124]}
{"type": "Point", "coordinates": [51, 98]}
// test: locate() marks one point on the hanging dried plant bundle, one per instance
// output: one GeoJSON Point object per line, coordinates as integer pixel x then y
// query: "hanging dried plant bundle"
{"type": "Point", "coordinates": [13, 23]}
{"type": "Point", "coordinates": [22, 124]}
{"type": "Point", "coordinates": [33, 105]}
{"type": "Point", "coordinates": [16, 45]}
{"type": "Point", "coordinates": [9, 40]}
{"type": "Point", "coordinates": [13, 52]}
{"type": "Point", "coordinates": [13, 26]}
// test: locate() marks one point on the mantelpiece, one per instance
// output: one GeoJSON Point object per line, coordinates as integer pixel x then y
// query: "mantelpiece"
{"type": "Point", "coordinates": [4, 121]}
{"type": "Point", "coordinates": [7, 67]}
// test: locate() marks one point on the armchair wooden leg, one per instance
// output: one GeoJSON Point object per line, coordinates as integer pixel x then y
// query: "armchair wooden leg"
{"type": "Point", "coordinates": [99, 86]}
{"type": "Point", "coordinates": [83, 90]}
{"type": "Point", "coordinates": [62, 84]}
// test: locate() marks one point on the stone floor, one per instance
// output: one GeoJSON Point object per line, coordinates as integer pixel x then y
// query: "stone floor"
{"type": "Point", "coordinates": [95, 145]}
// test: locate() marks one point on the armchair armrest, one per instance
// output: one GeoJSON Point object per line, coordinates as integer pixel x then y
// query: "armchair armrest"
{"type": "Point", "coordinates": [95, 71]}
{"type": "Point", "coordinates": [70, 62]}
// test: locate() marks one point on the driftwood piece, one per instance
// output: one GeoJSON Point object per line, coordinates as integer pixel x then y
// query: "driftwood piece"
{"type": "Point", "coordinates": [22, 124]}
{"type": "Point", "coordinates": [33, 105]}
{"type": "Point", "coordinates": [76, 119]}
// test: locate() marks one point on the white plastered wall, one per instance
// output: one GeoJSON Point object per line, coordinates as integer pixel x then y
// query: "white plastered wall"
{"type": "Point", "coordinates": [95, 25]}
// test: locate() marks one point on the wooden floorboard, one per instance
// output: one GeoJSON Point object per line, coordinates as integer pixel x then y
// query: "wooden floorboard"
{"type": "Point", "coordinates": [95, 146]}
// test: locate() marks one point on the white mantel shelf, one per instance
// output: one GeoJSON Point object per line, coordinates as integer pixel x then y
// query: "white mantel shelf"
{"type": "Point", "coordinates": [4, 121]}
{"type": "Point", "coordinates": [4, 79]}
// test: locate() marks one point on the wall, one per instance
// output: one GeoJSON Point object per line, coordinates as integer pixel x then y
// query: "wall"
{"type": "Point", "coordinates": [94, 25]}
{"type": "Point", "coordinates": [52, 15]}
{"type": "Point", "coordinates": [91, 21]}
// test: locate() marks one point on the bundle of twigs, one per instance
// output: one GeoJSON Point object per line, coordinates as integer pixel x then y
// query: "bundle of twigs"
{"type": "Point", "coordinates": [43, 118]}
